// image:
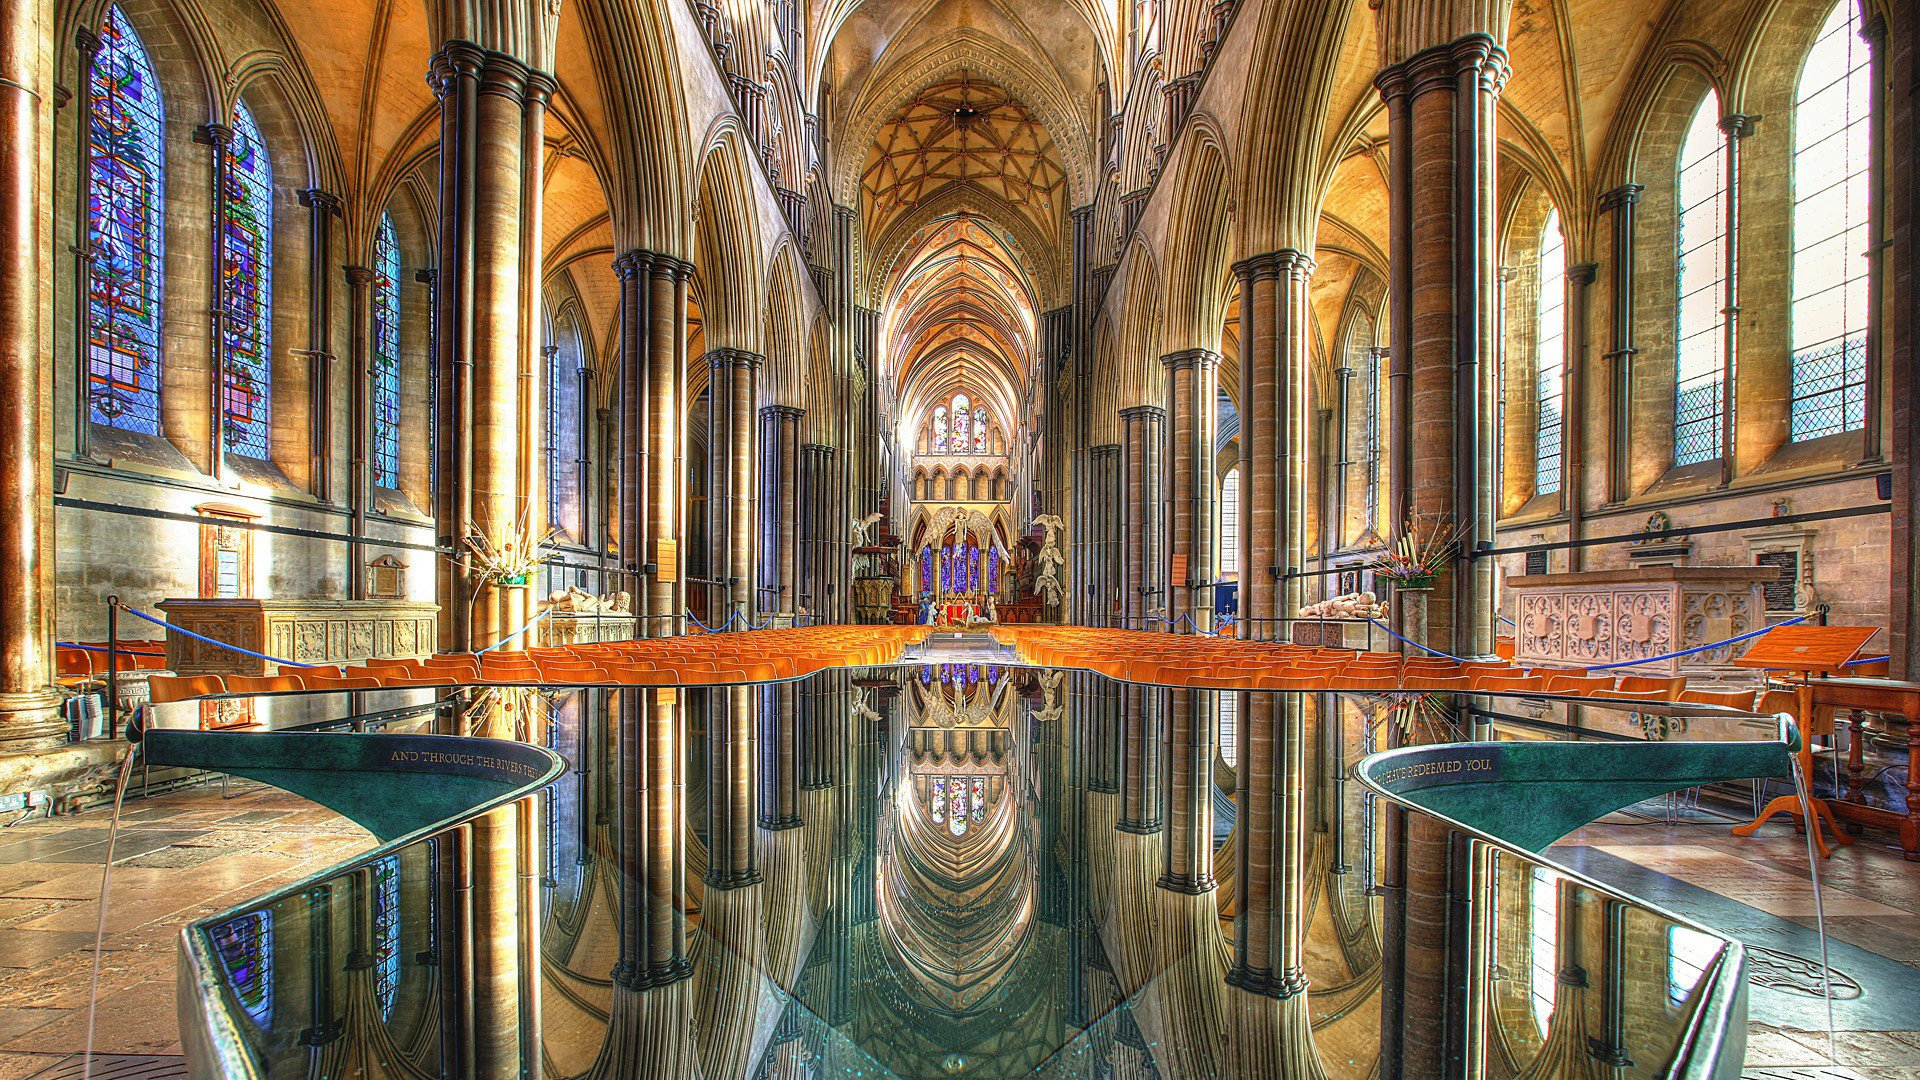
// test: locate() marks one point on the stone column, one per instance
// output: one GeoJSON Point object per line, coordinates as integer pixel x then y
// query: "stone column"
{"type": "Point", "coordinates": [1269, 931]}
{"type": "Point", "coordinates": [489, 104]}
{"type": "Point", "coordinates": [1140, 533]}
{"type": "Point", "coordinates": [731, 757]}
{"type": "Point", "coordinates": [779, 788]}
{"type": "Point", "coordinates": [653, 381]}
{"type": "Point", "coordinates": [1190, 730]}
{"type": "Point", "coordinates": [1193, 380]}
{"type": "Point", "coordinates": [732, 491]}
{"type": "Point", "coordinates": [648, 834]}
{"type": "Point", "coordinates": [1440, 108]}
{"type": "Point", "coordinates": [1275, 337]}
{"type": "Point", "coordinates": [29, 707]}
{"type": "Point", "coordinates": [779, 518]}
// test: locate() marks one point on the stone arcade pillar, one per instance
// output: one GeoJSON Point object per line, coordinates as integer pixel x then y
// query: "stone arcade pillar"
{"type": "Point", "coordinates": [732, 715]}
{"type": "Point", "coordinates": [29, 708]}
{"type": "Point", "coordinates": [732, 486]}
{"type": "Point", "coordinates": [1190, 729]}
{"type": "Point", "coordinates": [1193, 384]}
{"type": "Point", "coordinates": [648, 833]}
{"type": "Point", "coordinates": [653, 380]}
{"type": "Point", "coordinates": [779, 515]}
{"type": "Point", "coordinates": [779, 772]}
{"type": "Point", "coordinates": [492, 109]}
{"type": "Point", "coordinates": [1440, 122]}
{"type": "Point", "coordinates": [1269, 932]}
{"type": "Point", "coordinates": [1276, 322]}
{"type": "Point", "coordinates": [1142, 570]}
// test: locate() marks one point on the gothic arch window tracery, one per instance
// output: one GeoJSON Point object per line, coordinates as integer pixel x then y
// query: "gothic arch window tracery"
{"type": "Point", "coordinates": [126, 232]}
{"type": "Point", "coordinates": [1832, 182]}
{"type": "Point", "coordinates": [246, 290]}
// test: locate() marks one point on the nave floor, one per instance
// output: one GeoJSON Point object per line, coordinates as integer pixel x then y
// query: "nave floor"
{"type": "Point", "coordinates": [186, 854]}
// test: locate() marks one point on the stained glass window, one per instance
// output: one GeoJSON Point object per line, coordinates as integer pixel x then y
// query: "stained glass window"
{"type": "Point", "coordinates": [962, 424]}
{"type": "Point", "coordinates": [940, 430]}
{"type": "Point", "coordinates": [245, 947]}
{"type": "Point", "coordinates": [565, 439]}
{"type": "Point", "coordinates": [247, 289]}
{"type": "Point", "coordinates": [1701, 333]}
{"type": "Point", "coordinates": [1550, 367]}
{"type": "Point", "coordinates": [386, 933]}
{"type": "Point", "coordinates": [979, 431]}
{"type": "Point", "coordinates": [926, 569]}
{"type": "Point", "coordinates": [993, 570]}
{"type": "Point", "coordinates": [125, 229]}
{"type": "Point", "coordinates": [1832, 162]}
{"type": "Point", "coordinates": [386, 355]}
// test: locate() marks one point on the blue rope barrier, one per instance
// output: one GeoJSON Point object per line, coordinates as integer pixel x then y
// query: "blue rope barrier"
{"type": "Point", "coordinates": [1735, 640]}
{"type": "Point", "coordinates": [1414, 643]}
{"type": "Point", "coordinates": [530, 625]}
{"type": "Point", "coordinates": [1509, 622]}
{"type": "Point", "coordinates": [695, 620]}
{"type": "Point", "coordinates": [212, 641]}
{"type": "Point", "coordinates": [1868, 660]}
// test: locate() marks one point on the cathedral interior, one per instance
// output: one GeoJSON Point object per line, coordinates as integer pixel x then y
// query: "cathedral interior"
{"type": "Point", "coordinates": [1322, 539]}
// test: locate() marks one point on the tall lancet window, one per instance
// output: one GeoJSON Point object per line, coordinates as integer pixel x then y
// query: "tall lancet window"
{"type": "Point", "coordinates": [386, 355]}
{"type": "Point", "coordinates": [962, 424]}
{"type": "Point", "coordinates": [1551, 359]}
{"type": "Point", "coordinates": [1701, 340]}
{"type": "Point", "coordinates": [1832, 174]}
{"type": "Point", "coordinates": [125, 229]}
{"type": "Point", "coordinates": [246, 290]}
{"type": "Point", "coordinates": [940, 429]}
{"type": "Point", "coordinates": [979, 430]}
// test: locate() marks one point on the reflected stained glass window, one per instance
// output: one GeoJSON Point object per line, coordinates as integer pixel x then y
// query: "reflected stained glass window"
{"type": "Point", "coordinates": [124, 188]}
{"type": "Point", "coordinates": [386, 933]}
{"type": "Point", "coordinates": [1700, 361]}
{"type": "Point", "coordinates": [1544, 902]}
{"type": "Point", "coordinates": [1551, 359]}
{"type": "Point", "coordinates": [245, 947]}
{"type": "Point", "coordinates": [1832, 183]}
{"type": "Point", "coordinates": [247, 289]}
{"type": "Point", "coordinates": [386, 355]}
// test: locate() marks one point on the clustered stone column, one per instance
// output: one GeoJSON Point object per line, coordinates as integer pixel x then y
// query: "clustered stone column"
{"type": "Point", "coordinates": [653, 380]}
{"type": "Point", "coordinates": [1276, 324]}
{"type": "Point", "coordinates": [820, 522]}
{"type": "Point", "coordinates": [732, 487]}
{"type": "Point", "coordinates": [732, 715]}
{"type": "Point", "coordinates": [1190, 730]}
{"type": "Point", "coordinates": [1193, 384]}
{"type": "Point", "coordinates": [779, 773]}
{"type": "Point", "coordinates": [1142, 573]}
{"type": "Point", "coordinates": [1441, 130]}
{"type": "Point", "coordinates": [652, 856]}
{"type": "Point", "coordinates": [780, 518]}
{"type": "Point", "coordinates": [492, 108]}
{"type": "Point", "coordinates": [29, 707]}
{"type": "Point", "coordinates": [1269, 932]}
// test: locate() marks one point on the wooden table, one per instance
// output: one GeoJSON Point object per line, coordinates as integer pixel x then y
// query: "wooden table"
{"type": "Point", "coordinates": [1806, 650]}
{"type": "Point", "coordinates": [1881, 696]}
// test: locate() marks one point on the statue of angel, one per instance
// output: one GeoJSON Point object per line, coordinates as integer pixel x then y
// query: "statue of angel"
{"type": "Point", "coordinates": [863, 529]}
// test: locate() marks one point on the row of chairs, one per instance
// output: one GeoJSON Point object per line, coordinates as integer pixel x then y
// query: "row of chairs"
{"type": "Point", "coordinates": [79, 661]}
{"type": "Point", "coordinates": [1229, 664]}
{"type": "Point", "coordinates": [749, 656]}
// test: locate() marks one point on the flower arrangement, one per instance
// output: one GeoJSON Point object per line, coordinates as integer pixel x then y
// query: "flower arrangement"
{"type": "Point", "coordinates": [1418, 552]}
{"type": "Point", "coordinates": [512, 558]}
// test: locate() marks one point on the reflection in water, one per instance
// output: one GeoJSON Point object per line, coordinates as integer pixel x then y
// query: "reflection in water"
{"type": "Point", "coordinates": [956, 870]}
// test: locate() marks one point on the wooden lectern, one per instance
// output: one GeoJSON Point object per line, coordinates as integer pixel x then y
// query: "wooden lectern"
{"type": "Point", "coordinates": [1806, 651]}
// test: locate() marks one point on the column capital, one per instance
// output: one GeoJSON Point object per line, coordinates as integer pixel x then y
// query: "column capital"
{"type": "Point", "coordinates": [1623, 196]}
{"type": "Point", "coordinates": [453, 61]}
{"type": "Point", "coordinates": [325, 201]}
{"type": "Point", "coordinates": [1142, 413]}
{"type": "Point", "coordinates": [86, 41]}
{"type": "Point", "coordinates": [1439, 67]}
{"type": "Point", "coordinates": [1738, 125]}
{"type": "Point", "coordinates": [540, 86]}
{"type": "Point", "coordinates": [783, 412]}
{"type": "Point", "coordinates": [425, 275]}
{"type": "Point", "coordinates": [359, 276]}
{"type": "Point", "coordinates": [1191, 358]}
{"type": "Point", "coordinates": [215, 135]}
{"type": "Point", "coordinates": [1582, 274]}
{"type": "Point", "coordinates": [1080, 213]}
{"type": "Point", "coordinates": [631, 264]}
{"type": "Point", "coordinates": [505, 76]}
{"type": "Point", "coordinates": [720, 358]}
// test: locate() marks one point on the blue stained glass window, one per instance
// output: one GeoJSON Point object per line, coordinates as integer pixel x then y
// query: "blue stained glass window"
{"type": "Point", "coordinates": [386, 933]}
{"type": "Point", "coordinates": [386, 355]}
{"type": "Point", "coordinates": [246, 287]}
{"type": "Point", "coordinates": [245, 947]}
{"type": "Point", "coordinates": [125, 229]}
{"type": "Point", "coordinates": [926, 569]}
{"type": "Point", "coordinates": [993, 570]}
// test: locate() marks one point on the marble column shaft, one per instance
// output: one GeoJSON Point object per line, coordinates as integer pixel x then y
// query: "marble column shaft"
{"type": "Point", "coordinates": [1441, 133]}
{"type": "Point", "coordinates": [653, 358]}
{"type": "Point", "coordinates": [1193, 381]}
{"type": "Point", "coordinates": [779, 517]}
{"type": "Point", "coordinates": [29, 708]}
{"type": "Point", "coordinates": [1277, 324]}
{"type": "Point", "coordinates": [1191, 720]}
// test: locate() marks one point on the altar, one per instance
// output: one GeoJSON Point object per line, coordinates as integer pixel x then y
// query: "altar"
{"type": "Point", "coordinates": [1630, 616]}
